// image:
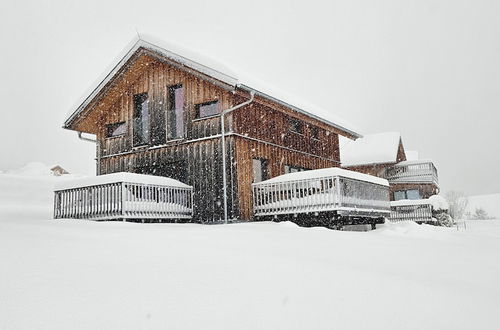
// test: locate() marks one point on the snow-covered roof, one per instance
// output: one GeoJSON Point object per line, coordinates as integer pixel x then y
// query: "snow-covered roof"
{"type": "Point", "coordinates": [215, 70]}
{"type": "Point", "coordinates": [414, 162]}
{"type": "Point", "coordinates": [119, 177]}
{"type": "Point", "coordinates": [327, 172]}
{"type": "Point", "coordinates": [377, 148]}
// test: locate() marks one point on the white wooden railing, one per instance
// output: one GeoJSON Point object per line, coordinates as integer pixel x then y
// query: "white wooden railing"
{"type": "Point", "coordinates": [124, 200]}
{"type": "Point", "coordinates": [412, 171]}
{"type": "Point", "coordinates": [411, 210]}
{"type": "Point", "coordinates": [334, 193]}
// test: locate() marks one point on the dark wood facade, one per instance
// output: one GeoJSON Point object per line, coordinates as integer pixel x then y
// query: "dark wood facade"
{"type": "Point", "coordinates": [260, 130]}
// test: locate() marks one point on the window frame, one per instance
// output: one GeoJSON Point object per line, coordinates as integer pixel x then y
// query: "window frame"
{"type": "Point", "coordinates": [295, 122]}
{"type": "Point", "coordinates": [109, 126]}
{"type": "Point", "coordinates": [171, 108]}
{"type": "Point", "coordinates": [264, 167]}
{"type": "Point", "coordinates": [143, 143]}
{"type": "Point", "coordinates": [199, 105]}
{"type": "Point", "coordinates": [297, 168]}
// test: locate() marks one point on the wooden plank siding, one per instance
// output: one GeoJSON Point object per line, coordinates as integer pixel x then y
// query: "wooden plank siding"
{"type": "Point", "coordinates": [258, 130]}
{"type": "Point", "coordinates": [277, 157]}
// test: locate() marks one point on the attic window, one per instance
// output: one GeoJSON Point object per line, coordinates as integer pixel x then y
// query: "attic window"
{"type": "Point", "coordinates": [116, 129]}
{"type": "Point", "coordinates": [315, 132]}
{"type": "Point", "coordinates": [207, 109]}
{"type": "Point", "coordinates": [295, 125]}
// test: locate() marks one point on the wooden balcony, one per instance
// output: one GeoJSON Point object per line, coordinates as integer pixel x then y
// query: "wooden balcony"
{"type": "Point", "coordinates": [123, 196]}
{"type": "Point", "coordinates": [325, 190]}
{"type": "Point", "coordinates": [412, 172]}
{"type": "Point", "coordinates": [419, 210]}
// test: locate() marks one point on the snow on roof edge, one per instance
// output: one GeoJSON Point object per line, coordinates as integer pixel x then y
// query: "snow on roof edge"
{"type": "Point", "coordinates": [327, 172]}
{"type": "Point", "coordinates": [222, 74]}
{"type": "Point", "coordinates": [119, 177]}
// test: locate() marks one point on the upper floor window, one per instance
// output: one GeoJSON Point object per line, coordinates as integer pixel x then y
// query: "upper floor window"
{"type": "Point", "coordinates": [315, 132]}
{"type": "Point", "coordinates": [293, 169]}
{"type": "Point", "coordinates": [116, 129]}
{"type": "Point", "coordinates": [207, 109]}
{"type": "Point", "coordinates": [141, 119]}
{"type": "Point", "coordinates": [175, 114]}
{"type": "Point", "coordinates": [295, 125]}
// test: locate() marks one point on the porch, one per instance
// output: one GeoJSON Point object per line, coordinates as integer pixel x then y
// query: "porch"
{"type": "Point", "coordinates": [412, 171]}
{"type": "Point", "coordinates": [326, 190]}
{"type": "Point", "coordinates": [419, 210]}
{"type": "Point", "coordinates": [124, 196]}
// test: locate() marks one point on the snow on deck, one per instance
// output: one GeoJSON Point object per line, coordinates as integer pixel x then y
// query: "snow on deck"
{"type": "Point", "coordinates": [327, 172]}
{"type": "Point", "coordinates": [78, 274]}
{"type": "Point", "coordinates": [119, 177]}
{"type": "Point", "coordinates": [377, 148]}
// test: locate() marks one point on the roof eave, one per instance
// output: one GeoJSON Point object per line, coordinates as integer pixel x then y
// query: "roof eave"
{"type": "Point", "coordinates": [356, 135]}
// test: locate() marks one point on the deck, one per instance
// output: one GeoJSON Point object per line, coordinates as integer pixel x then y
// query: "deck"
{"type": "Point", "coordinates": [412, 171]}
{"type": "Point", "coordinates": [326, 190]}
{"type": "Point", "coordinates": [124, 196]}
{"type": "Point", "coordinates": [419, 210]}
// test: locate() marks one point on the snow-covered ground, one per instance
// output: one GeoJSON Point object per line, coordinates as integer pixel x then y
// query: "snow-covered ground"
{"type": "Point", "coordinates": [490, 203]}
{"type": "Point", "coordinates": [85, 275]}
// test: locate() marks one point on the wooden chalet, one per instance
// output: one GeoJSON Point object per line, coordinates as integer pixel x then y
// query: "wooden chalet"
{"type": "Point", "coordinates": [159, 112]}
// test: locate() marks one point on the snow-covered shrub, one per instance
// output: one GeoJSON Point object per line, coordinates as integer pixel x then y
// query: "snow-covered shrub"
{"type": "Point", "coordinates": [458, 203]}
{"type": "Point", "coordinates": [440, 209]}
{"type": "Point", "coordinates": [479, 214]}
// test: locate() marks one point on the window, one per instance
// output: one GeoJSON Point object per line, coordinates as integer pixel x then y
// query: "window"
{"type": "Point", "coordinates": [175, 115]}
{"type": "Point", "coordinates": [207, 109]}
{"type": "Point", "coordinates": [413, 194]}
{"type": "Point", "coordinates": [315, 132]}
{"type": "Point", "coordinates": [293, 169]}
{"type": "Point", "coordinates": [259, 169]}
{"type": "Point", "coordinates": [116, 129]}
{"type": "Point", "coordinates": [295, 125]}
{"type": "Point", "coordinates": [141, 119]}
{"type": "Point", "coordinates": [407, 194]}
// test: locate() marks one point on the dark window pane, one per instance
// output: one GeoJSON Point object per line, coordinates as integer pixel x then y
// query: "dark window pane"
{"type": "Point", "coordinates": [295, 125]}
{"type": "Point", "coordinates": [141, 119]}
{"type": "Point", "coordinates": [116, 129]}
{"type": "Point", "coordinates": [259, 169]}
{"type": "Point", "coordinates": [176, 112]}
{"type": "Point", "coordinates": [294, 169]}
{"type": "Point", "coordinates": [315, 132]}
{"type": "Point", "coordinates": [208, 109]}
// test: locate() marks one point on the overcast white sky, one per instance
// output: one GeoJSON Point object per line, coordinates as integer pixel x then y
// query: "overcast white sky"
{"type": "Point", "coordinates": [428, 69]}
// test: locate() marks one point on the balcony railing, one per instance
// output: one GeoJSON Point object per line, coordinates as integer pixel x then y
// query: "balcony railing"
{"type": "Point", "coordinates": [122, 196]}
{"type": "Point", "coordinates": [322, 191]}
{"type": "Point", "coordinates": [419, 210]}
{"type": "Point", "coordinates": [412, 171]}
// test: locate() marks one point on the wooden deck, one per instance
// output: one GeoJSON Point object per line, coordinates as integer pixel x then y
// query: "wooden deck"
{"type": "Point", "coordinates": [345, 196]}
{"type": "Point", "coordinates": [124, 201]}
{"type": "Point", "coordinates": [412, 171]}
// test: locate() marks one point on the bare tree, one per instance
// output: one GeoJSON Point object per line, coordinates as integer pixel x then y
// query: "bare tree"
{"type": "Point", "coordinates": [458, 203]}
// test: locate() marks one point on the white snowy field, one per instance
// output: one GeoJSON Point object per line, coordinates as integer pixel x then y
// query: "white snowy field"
{"type": "Point", "coordinates": [69, 274]}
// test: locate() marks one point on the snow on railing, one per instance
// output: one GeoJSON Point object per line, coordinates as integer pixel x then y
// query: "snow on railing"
{"type": "Point", "coordinates": [412, 171]}
{"type": "Point", "coordinates": [419, 210]}
{"type": "Point", "coordinates": [124, 200]}
{"type": "Point", "coordinates": [318, 193]}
